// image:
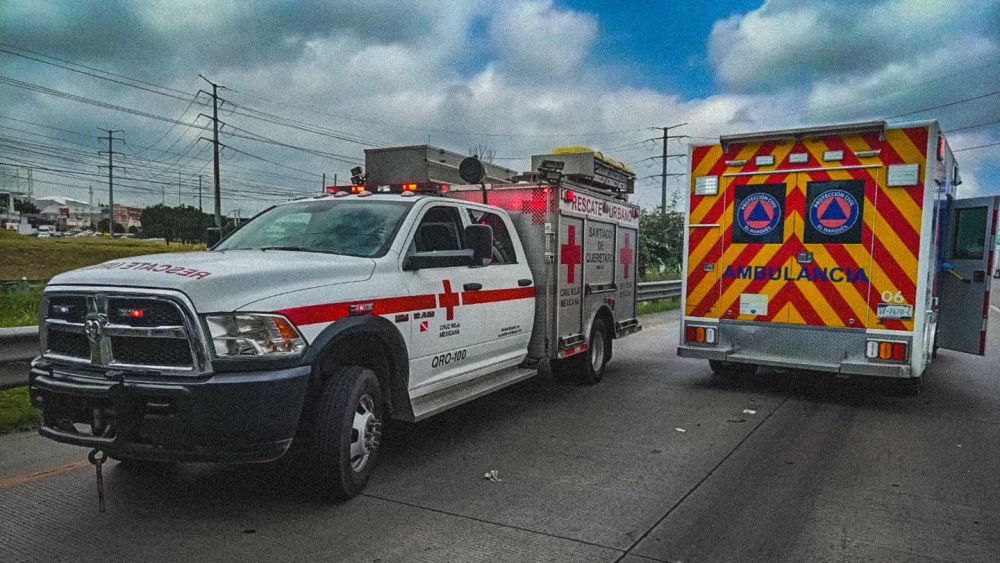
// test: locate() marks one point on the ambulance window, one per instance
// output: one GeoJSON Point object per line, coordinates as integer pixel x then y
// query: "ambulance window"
{"type": "Point", "coordinates": [835, 212]}
{"type": "Point", "coordinates": [503, 248]}
{"type": "Point", "coordinates": [440, 229]}
{"type": "Point", "coordinates": [970, 228]}
{"type": "Point", "coordinates": [759, 214]}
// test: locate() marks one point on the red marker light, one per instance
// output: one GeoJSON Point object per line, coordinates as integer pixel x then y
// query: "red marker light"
{"type": "Point", "coordinates": [444, 188]}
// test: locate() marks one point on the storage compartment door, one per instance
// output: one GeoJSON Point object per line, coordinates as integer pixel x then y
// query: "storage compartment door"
{"type": "Point", "coordinates": [626, 255]}
{"type": "Point", "coordinates": [964, 305]}
{"type": "Point", "coordinates": [569, 319]}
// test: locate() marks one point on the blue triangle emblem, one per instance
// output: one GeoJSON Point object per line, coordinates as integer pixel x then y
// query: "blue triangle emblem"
{"type": "Point", "coordinates": [757, 213]}
{"type": "Point", "coordinates": [833, 212]}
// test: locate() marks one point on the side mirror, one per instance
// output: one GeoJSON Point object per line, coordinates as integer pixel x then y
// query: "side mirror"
{"type": "Point", "coordinates": [479, 239]}
{"type": "Point", "coordinates": [437, 259]}
{"type": "Point", "coordinates": [212, 236]}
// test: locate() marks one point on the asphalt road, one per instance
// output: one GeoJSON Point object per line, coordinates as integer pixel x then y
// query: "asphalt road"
{"type": "Point", "coordinates": [661, 461]}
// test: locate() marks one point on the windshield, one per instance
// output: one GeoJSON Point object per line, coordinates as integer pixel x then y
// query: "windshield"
{"type": "Point", "coordinates": [351, 228]}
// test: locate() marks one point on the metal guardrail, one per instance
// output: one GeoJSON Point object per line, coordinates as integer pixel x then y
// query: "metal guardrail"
{"type": "Point", "coordinates": [17, 348]}
{"type": "Point", "coordinates": [651, 291]}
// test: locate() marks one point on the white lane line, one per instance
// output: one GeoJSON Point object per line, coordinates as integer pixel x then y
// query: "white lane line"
{"type": "Point", "coordinates": [995, 308]}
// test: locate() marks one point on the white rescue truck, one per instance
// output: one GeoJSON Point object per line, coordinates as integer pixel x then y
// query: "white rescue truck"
{"type": "Point", "coordinates": [322, 317]}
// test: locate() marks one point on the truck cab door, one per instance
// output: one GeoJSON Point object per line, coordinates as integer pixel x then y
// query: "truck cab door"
{"type": "Point", "coordinates": [964, 277]}
{"type": "Point", "coordinates": [443, 343]}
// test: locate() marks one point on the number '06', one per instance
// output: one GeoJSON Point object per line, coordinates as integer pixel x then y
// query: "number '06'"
{"type": "Point", "coordinates": [889, 297]}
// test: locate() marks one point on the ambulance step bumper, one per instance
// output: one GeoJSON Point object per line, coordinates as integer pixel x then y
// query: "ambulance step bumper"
{"type": "Point", "coordinates": [870, 369]}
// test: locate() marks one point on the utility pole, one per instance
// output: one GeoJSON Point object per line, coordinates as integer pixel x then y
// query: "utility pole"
{"type": "Point", "coordinates": [31, 191]}
{"type": "Point", "coordinates": [199, 192]}
{"type": "Point", "coordinates": [322, 189]}
{"type": "Point", "coordinates": [215, 150]}
{"type": "Point", "coordinates": [178, 188]}
{"type": "Point", "coordinates": [665, 174]}
{"type": "Point", "coordinates": [111, 176]}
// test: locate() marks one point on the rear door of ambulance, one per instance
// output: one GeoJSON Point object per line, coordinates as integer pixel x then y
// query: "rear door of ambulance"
{"type": "Point", "coordinates": [967, 256]}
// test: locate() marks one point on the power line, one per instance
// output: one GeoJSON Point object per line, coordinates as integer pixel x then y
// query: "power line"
{"type": "Point", "coordinates": [976, 147]}
{"type": "Point", "coordinates": [939, 106]}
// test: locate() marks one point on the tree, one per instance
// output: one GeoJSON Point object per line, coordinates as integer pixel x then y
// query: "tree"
{"type": "Point", "coordinates": [184, 223]}
{"type": "Point", "coordinates": [661, 242]}
{"type": "Point", "coordinates": [25, 206]}
{"type": "Point", "coordinates": [102, 226]}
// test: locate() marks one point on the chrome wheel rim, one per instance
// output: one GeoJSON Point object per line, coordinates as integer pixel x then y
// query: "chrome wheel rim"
{"type": "Point", "coordinates": [597, 352]}
{"type": "Point", "coordinates": [366, 431]}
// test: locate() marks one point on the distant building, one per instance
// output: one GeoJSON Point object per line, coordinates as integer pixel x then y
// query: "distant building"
{"type": "Point", "coordinates": [67, 212]}
{"type": "Point", "coordinates": [128, 217]}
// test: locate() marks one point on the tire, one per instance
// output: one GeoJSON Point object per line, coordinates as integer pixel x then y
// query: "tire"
{"type": "Point", "coordinates": [732, 369]}
{"type": "Point", "coordinates": [593, 363]}
{"type": "Point", "coordinates": [347, 431]}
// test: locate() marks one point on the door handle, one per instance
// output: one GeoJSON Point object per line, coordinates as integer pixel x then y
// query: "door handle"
{"type": "Point", "coordinates": [472, 286]}
{"type": "Point", "coordinates": [524, 283]}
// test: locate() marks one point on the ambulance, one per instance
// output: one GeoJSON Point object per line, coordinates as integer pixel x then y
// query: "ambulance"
{"type": "Point", "coordinates": [840, 249]}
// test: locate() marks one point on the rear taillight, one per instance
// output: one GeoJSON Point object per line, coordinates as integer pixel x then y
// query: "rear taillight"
{"type": "Point", "coordinates": [700, 334]}
{"type": "Point", "coordinates": [887, 350]}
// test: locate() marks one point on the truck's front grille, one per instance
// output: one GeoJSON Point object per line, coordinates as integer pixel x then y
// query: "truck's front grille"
{"type": "Point", "coordinates": [151, 351]}
{"type": "Point", "coordinates": [143, 312]}
{"type": "Point", "coordinates": [70, 344]}
{"type": "Point", "coordinates": [120, 331]}
{"type": "Point", "coordinates": [69, 308]}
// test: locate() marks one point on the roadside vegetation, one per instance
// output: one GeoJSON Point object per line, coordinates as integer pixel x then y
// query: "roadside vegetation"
{"type": "Point", "coordinates": [36, 260]}
{"type": "Point", "coordinates": [16, 412]}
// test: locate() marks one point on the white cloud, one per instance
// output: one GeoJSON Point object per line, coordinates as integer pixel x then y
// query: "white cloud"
{"type": "Point", "coordinates": [535, 38]}
{"type": "Point", "coordinates": [521, 78]}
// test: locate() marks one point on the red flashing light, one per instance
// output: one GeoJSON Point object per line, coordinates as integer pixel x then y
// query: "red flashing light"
{"type": "Point", "coordinates": [569, 196]}
{"type": "Point", "coordinates": [409, 187]}
{"type": "Point", "coordinates": [357, 189]}
{"type": "Point", "coordinates": [136, 313]}
{"type": "Point", "coordinates": [444, 188]}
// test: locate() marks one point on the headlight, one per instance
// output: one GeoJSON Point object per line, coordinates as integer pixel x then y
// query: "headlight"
{"type": "Point", "coordinates": [254, 334]}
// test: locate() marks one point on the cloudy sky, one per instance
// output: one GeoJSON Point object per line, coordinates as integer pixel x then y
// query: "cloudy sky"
{"type": "Point", "coordinates": [309, 84]}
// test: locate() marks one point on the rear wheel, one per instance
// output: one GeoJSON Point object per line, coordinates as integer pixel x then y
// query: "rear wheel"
{"type": "Point", "coordinates": [732, 369]}
{"type": "Point", "coordinates": [348, 429]}
{"type": "Point", "coordinates": [598, 353]}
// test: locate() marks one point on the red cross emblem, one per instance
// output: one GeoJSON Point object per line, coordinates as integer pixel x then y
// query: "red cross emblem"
{"type": "Point", "coordinates": [448, 299]}
{"type": "Point", "coordinates": [571, 254]}
{"type": "Point", "coordinates": [627, 255]}
{"type": "Point", "coordinates": [537, 205]}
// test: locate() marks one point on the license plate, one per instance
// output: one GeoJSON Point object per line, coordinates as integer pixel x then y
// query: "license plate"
{"type": "Point", "coordinates": [895, 312]}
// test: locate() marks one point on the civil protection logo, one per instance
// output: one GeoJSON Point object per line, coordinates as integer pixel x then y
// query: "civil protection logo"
{"type": "Point", "coordinates": [759, 214]}
{"type": "Point", "coordinates": [834, 212]}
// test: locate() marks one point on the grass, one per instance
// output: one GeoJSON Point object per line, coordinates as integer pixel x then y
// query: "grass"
{"type": "Point", "coordinates": [658, 306]}
{"type": "Point", "coordinates": [19, 308]}
{"type": "Point", "coordinates": [32, 258]}
{"type": "Point", "coordinates": [36, 259]}
{"type": "Point", "coordinates": [16, 412]}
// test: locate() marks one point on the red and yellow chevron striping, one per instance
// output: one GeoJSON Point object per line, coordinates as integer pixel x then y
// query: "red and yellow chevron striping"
{"type": "Point", "coordinates": [828, 282]}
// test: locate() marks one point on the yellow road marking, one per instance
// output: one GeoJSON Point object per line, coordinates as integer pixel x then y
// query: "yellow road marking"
{"type": "Point", "coordinates": [11, 482]}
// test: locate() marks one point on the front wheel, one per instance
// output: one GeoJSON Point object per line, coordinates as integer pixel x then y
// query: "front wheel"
{"type": "Point", "coordinates": [348, 429]}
